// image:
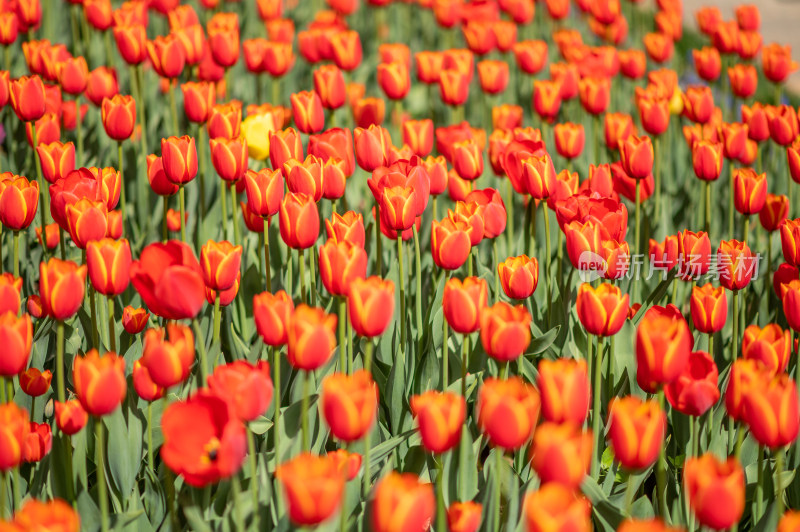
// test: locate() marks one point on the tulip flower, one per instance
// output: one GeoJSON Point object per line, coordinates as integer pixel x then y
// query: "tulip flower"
{"type": "Point", "coordinates": [330, 86]}
{"type": "Point", "coordinates": [99, 382]}
{"type": "Point", "coordinates": [663, 344]}
{"type": "Point", "coordinates": [299, 220]}
{"type": "Point", "coordinates": [144, 385]}
{"type": "Point", "coordinates": [57, 159]}
{"type": "Point", "coordinates": [547, 99]}
{"type": "Point", "coordinates": [695, 390]}
{"type": "Point", "coordinates": [248, 387]}
{"type": "Point", "coordinates": [313, 487]}
{"type": "Point", "coordinates": [340, 264]}
{"type": "Point", "coordinates": [19, 200]}
{"type": "Point", "coordinates": [346, 227]}
{"type": "Point", "coordinates": [507, 411]}
{"type": "Point", "coordinates": [402, 502]}
{"type": "Point", "coordinates": [565, 391]}
{"type": "Point", "coordinates": [225, 120]}
{"type": "Point", "coordinates": [311, 337]}
{"type": "Point", "coordinates": [27, 97]}
{"type": "Point", "coordinates": [169, 280]}
{"type": "Point", "coordinates": [561, 453]}
{"type": "Point", "coordinates": [198, 100]}
{"type": "Point", "coordinates": [771, 411]}
{"type": "Point", "coordinates": [61, 288]}
{"type": "Point", "coordinates": [307, 111]}
{"type": "Point", "coordinates": [349, 404]}
{"type": "Point", "coordinates": [519, 276]}
{"type": "Point", "coordinates": [119, 116]}
{"type": "Point", "coordinates": [204, 441]}
{"type": "Point", "coordinates": [709, 307]}
{"type": "Point", "coordinates": [777, 62]}
{"type": "Point", "coordinates": [464, 516]}
{"type": "Point", "coordinates": [555, 505]}
{"type": "Point", "coordinates": [715, 489]}
{"type": "Point", "coordinates": [636, 431]}
{"type": "Point", "coordinates": [769, 345]}
{"type": "Point", "coordinates": [14, 429]}
{"type": "Point", "coordinates": [370, 304]}
{"type": "Point", "coordinates": [272, 313]}
{"type": "Point", "coordinates": [168, 354]}
{"type": "Point", "coordinates": [70, 416]}
{"type": "Point", "coordinates": [505, 331]}
{"type": "Point", "coordinates": [602, 310]}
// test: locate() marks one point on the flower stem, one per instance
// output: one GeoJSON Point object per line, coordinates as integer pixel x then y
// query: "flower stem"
{"type": "Point", "coordinates": [182, 197]}
{"type": "Point", "coordinates": [302, 255]}
{"type": "Point", "coordinates": [445, 347]}
{"type": "Point", "coordinates": [760, 484]}
{"type": "Point", "coordinates": [730, 202]}
{"type": "Point", "coordinates": [201, 176]}
{"type": "Point", "coordinates": [778, 483]}
{"type": "Point", "coordinates": [201, 345]}
{"type": "Point", "coordinates": [173, 107]}
{"type": "Point", "coordinates": [312, 274]}
{"type": "Point", "coordinates": [402, 282]}
{"type": "Point", "coordinates": [378, 241]}
{"type": "Point", "coordinates": [597, 395]}
{"type": "Point", "coordinates": [441, 506]}
{"type": "Point", "coordinates": [342, 327]}
{"type": "Point", "coordinates": [150, 451]}
{"type": "Point", "coordinates": [44, 197]}
{"type": "Point", "coordinates": [735, 326]}
{"type": "Point", "coordinates": [236, 490]}
{"type": "Point", "coordinates": [217, 319]}
{"type": "Point", "coordinates": [661, 470]}
{"type": "Point", "coordinates": [251, 451]}
{"type": "Point", "coordinates": [547, 260]}
{"type": "Point", "coordinates": [276, 417]}
{"type": "Point", "coordinates": [16, 252]}
{"type": "Point", "coordinates": [102, 488]}
{"type": "Point", "coordinates": [267, 270]}
{"type": "Point", "coordinates": [112, 333]}
{"type": "Point", "coordinates": [164, 225]}
{"type": "Point", "coordinates": [630, 494]}
{"type": "Point", "coordinates": [234, 213]}
{"type": "Point", "coordinates": [464, 361]}
{"type": "Point", "coordinates": [418, 302]}
{"type": "Point", "coordinates": [498, 463]}
{"type": "Point", "coordinates": [122, 202]}
{"type": "Point", "coordinates": [304, 409]}
{"type": "Point", "coordinates": [657, 180]}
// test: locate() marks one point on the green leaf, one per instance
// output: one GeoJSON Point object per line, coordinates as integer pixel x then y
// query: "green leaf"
{"type": "Point", "coordinates": [124, 450]}
{"type": "Point", "coordinates": [541, 343]}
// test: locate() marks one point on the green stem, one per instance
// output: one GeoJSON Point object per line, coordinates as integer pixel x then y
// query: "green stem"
{"type": "Point", "coordinates": [3, 494]}
{"type": "Point", "coordinates": [735, 326]}
{"type": "Point", "coordinates": [349, 341]}
{"type": "Point", "coordinates": [418, 303]}
{"type": "Point", "coordinates": [657, 183]}
{"type": "Point", "coordinates": [112, 333]}
{"type": "Point", "coordinates": [498, 463]}
{"type": "Point", "coordinates": [302, 258]}
{"type": "Point", "coordinates": [445, 347]}
{"type": "Point", "coordinates": [93, 312]}
{"type": "Point", "coordinates": [151, 454]}
{"type": "Point", "coordinates": [102, 488]}
{"type": "Point", "coordinates": [366, 480]}
{"type": "Point", "coordinates": [224, 203]}
{"type": "Point", "coordinates": [532, 222]}
{"type": "Point", "coordinates": [707, 224]}
{"type": "Point", "coordinates": [312, 274]}
{"type": "Point", "coordinates": [378, 241]}
{"type": "Point", "coordinates": [464, 363]}
{"type": "Point", "coordinates": [711, 344]}
{"type": "Point", "coordinates": [164, 226]}
{"type": "Point", "coordinates": [169, 482]}
{"type": "Point", "coordinates": [304, 409]}
{"type": "Point", "coordinates": [201, 346]}
{"type": "Point", "coordinates": [173, 107]}
{"type": "Point", "coordinates": [441, 506]}
{"type": "Point", "coordinates": [637, 234]}
{"type": "Point", "coordinates": [60, 362]}
{"type": "Point", "coordinates": [267, 267]}
{"type": "Point", "coordinates": [661, 469]}
{"type": "Point", "coordinates": [236, 490]}
{"type": "Point", "coordinates": [182, 199]}
{"type": "Point", "coordinates": [760, 485]}
{"type": "Point", "coordinates": [778, 482]}
{"type": "Point", "coordinates": [730, 202]}
{"type": "Point", "coordinates": [217, 320]}
{"type": "Point", "coordinates": [251, 451]}
{"type": "Point", "coordinates": [596, 396]}
{"type": "Point", "coordinates": [16, 252]}
{"type": "Point", "coordinates": [547, 260]}
{"type": "Point", "coordinates": [276, 417]}
{"type": "Point", "coordinates": [630, 493]}
{"type": "Point", "coordinates": [402, 282]}
{"type": "Point", "coordinates": [496, 273]}
{"type": "Point", "coordinates": [234, 213]}
{"type": "Point", "coordinates": [122, 201]}
{"type": "Point", "coordinates": [342, 327]}
{"type": "Point", "coordinates": [202, 146]}
{"type": "Point", "coordinates": [79, 132]}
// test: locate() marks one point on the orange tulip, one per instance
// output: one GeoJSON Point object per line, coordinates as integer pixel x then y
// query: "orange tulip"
{"type": "Point", "coordinates": [144, 385]}
{"type": "Point", "coordinates": [565, 390]}
{"type": "Point", "coordinates": [493, 76]}
{"type": "Point", "coordinates": [440, 416]}
{"type": "Point", "coordinates": [402, 502]}
{"type": "Point", "coordinates": [554, 506]}
{"type": "Point", "coordinates": [709, 308]}
{"type": "Point", "coordinates": [246, 386]}
{"type": "Point", "coordinates": [663, 344]}
{"type": "Point", "coordinates": [464, 516]}
{"type": "Point", "coordinates": [109, 263]}
{"type": "Point", "coordinates": [167, 55]}
{"type": "Point", "coordinates": [119, 116]}
{"type": "Point", "coordinates": [27, 98]}
{"type": "Point", "coordinates": [198, 100]}
{"type": "Point", "coordinates": [743, 80]}
{"type": "Point", "coordinates": [61, 288]}
{"type": "Point", "coordinates": [225, 120]}
{"type": "Point", "coordinates": [519, 276]}
{"type": "Point", "coordinates": [370, 304]}
{"type": "Point", "coordinates": [771, 412]}
{"type": "Point", "coordinates": [602, 310]}
{"type": "Point", "coordinates": [695, 390]}
{"type": "Point", "coordinates": [595, 94]}
{"type": "Point", "coordinates": [507, 411]}
{"type": "Point", "coordinates": [530, 55]}
{"type": "Point", "coordinates": [349, 404]}
{"type": "Point", "coordinates": [463, 303]}
{"type": "Point", "coordinates": [14, 430]}
{"type": "Point", "coordinates": [35, 383]}
{"type": "Point", "coordinates": [736, 264]}
{"type": "Point", "coordinates": [715, 489]}
{"type": "Point", "coordinates": [299, 220]}
{"type": "Point", "coordinates": [272, 313]}
{"type": "Point", "coordinates": [70, 417]}
{"type": "Point", "coordinates": [637, 156]}
{"type": "Point", "coordinates": [330, 86]}
{"type": "Point", "coordinates": [179, 157]}
{"type": "Point", "coordinates": [707, 159]}
{"type": "Point", "coordinates": [220, 263]}
{"type": "Point", "coordinates": [707, 63]}
{"type": "Point", "coordinates": [547, 99]}
{"type": "Point", "coordinates": [99, 382]}
{"type": "Point", "coordinates": [561, 453]}
{"type": "Point", "coordinates": [311, 337]}
{"type": "Point", "coordinates": [636, 431]}
{"type": "Point", "coordinates": [57, 160]}
{"type": "Point", "coordinates": [264, 191]}
{"type": "Point", "coordinates": [19, 200]}
{"type": "Point", "coordinates": [313, 487]}
{"type": "Point", "coordinates": [771, 346]}
{"type": "Point", "coordinates": [307, 111]}
{"type": "Point", "coordinates": [505, 331]}
{"type": "Point", "coordinates": [134, 320]}
{"type": "Point", "coordinates": [168, 354]}
{"type": "Point", "coordinates": [776, 61]}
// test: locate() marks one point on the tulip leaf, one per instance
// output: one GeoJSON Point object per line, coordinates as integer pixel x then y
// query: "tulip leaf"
{"type": "Point", "coordinates": [383, 449]}
{"type": "Point", "coordinates": [542, 342]}
{"type": "Point", "coordinates": [195, 519]}
{"type": "Point", "coordinates": [260, 425]}
{"type": "Point", "coordinates": [124, 449]}
{"type": "Point", "coordinates": [396, 391]}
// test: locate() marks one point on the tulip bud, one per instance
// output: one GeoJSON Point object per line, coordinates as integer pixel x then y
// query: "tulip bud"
{"type": "Point", "coordinates": [707, 475]}
{"type": "Point", "coordinates": [561, 453]}
{"type": "Point", "coordinates": [709, 308]}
